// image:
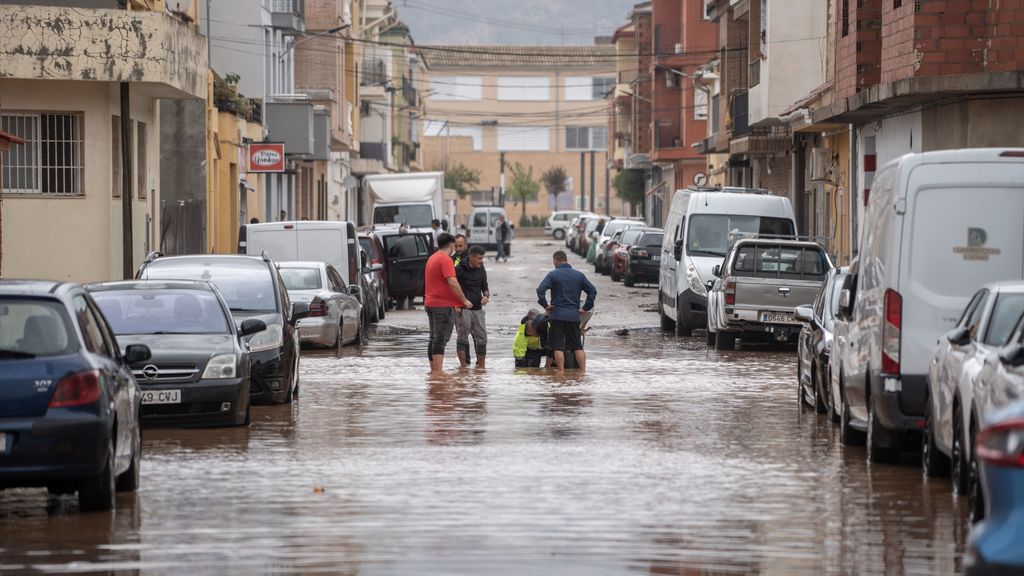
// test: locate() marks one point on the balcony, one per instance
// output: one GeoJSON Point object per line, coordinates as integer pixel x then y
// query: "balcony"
{"type": "Point", "coordinates": [62, 43]}
{"type": "Point", "coordinates": [754, 73]}
{"type": "Point", "coordinates": [374, 151]}
{"type": "Point", "coordinates": [289, 16]}
{"type": "Point", "coordinates": [762, 142]}
{"type": "Point", "coordinates": [739, 113]}
{"type": "Point", "coordinates": [666, 134]}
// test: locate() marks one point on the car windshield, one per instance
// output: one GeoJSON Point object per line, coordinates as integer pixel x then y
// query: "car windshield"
{"type": "Point", "coordinates": [1007, 311]}
{"type": "Point", "coordinates": [613, 227]}
{"type": "Point", "coordinates": [245, 284]}
{"type": "Point", "coordinates": [32, 328]}
{"type": "Point", "coordinates": [652, 240]}
{"type": "Point", "coordinates": [301, 278]}
{"type": "Point", "coordinates": [415, 215]}
{"type": "Point", "coordinates": [629, 237]}
{"type": "Point", "coordinates": [592, 225]}
{"type": "Point", "coordinates": [833, 307]}
{"type": "Point", "coordinates": [708, 234]}
{"type": "Point", "coordinates": [162, 311]}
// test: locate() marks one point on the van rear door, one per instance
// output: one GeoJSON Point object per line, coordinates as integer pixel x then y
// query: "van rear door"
{"type": "Point", "coordinates": [280, 244]}
{"type": "Point", "coordinates": [962, 230]}
{"type": "Point", "coordinates": [318, 243]}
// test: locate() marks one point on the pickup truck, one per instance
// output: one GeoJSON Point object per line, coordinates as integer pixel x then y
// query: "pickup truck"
{"type": "Point", "coordinates": [758, 287]}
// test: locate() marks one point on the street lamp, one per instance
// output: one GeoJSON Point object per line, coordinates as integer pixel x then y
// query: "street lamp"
{"type": "Point", "coordinates": [310, 37]}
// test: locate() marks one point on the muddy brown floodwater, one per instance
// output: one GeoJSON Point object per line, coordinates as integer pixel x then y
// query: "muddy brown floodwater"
{"type": "Point", "coordinates": [665, 458]}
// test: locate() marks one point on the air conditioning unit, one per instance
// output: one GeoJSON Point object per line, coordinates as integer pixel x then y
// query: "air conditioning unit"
{"type": "Point", "coordinates": [821, 162]}
{"type": "Point", "coordinates": [679, 48]}
{"type": "Point", "coordinates": [671, 79]}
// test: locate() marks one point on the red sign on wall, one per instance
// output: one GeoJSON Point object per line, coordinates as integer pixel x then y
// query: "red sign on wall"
{"type": "Point", "coordinates": [266, 158]}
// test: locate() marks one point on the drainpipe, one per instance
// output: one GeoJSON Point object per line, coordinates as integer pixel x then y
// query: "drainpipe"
{"type": "Point", "coordinates": [127, 256]}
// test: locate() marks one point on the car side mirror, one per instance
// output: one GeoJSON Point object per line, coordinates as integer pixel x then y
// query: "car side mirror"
{"type": "Point", "coordinates": [804, 314]}
{"type": "Point", "coordinates": [300, 310]}
{"type": "Point", "coordinates": [595, 235]}
{"type": "Point", "coordinates": [710, 285]}
{"type": "Point", "coordinates": [677, 250]}
{"type": "Point", "coordinates": [136, 353]}
{"type": "Point", "coordinates": [376, 267]}
{"type": "Point", "coordinates": [1012, 356]}
{"type": "Point", "coordinates": [354, 290]}
{"type": "Point", "coordinates": [845, 304]}
{"type": "Point", "coordinates": [252, 326]}
{"type": "Point", "coordinates": [717, 271]}
{"type": "Point", "coordinates": [959, 337]}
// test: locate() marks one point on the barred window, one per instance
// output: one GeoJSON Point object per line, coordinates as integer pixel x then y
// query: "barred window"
{"type": "Point", "coordinates": [51, 159]}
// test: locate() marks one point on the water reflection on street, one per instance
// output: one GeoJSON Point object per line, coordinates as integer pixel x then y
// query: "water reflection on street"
{"type": "Point", "coordinates": [664, 458]}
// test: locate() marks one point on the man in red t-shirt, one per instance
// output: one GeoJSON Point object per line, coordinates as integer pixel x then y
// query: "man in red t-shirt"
{"type": "Point", "coordinates": [442, 297]}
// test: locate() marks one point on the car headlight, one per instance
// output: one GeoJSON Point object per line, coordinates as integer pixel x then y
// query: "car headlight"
{"type": "Point", "coordinates": [269, 339]}
{"type": "Point", "coordinates": [693, 279]}
{"type": "Point", "coordinates": [222, 366]}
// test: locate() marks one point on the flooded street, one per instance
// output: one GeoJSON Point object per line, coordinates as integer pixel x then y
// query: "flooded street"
{"type": "Point", "coordinates": [664, 458]}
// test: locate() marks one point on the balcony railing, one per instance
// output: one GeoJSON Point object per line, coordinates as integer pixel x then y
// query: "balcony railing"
{"type": "Point", "coordinates": [716, 114]}
{"type": "Point", "coordinates": [666, 135]}
{"type": "Point", "coordinates": [289, 16]}
{"type": "Point", "coordinates": [295, 7]}
{"type": "Point", "coordinates": [754, 77]}
{"type": "Point", "coordinates": [374, 72]}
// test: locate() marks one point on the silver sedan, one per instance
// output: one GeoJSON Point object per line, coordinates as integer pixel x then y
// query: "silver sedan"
{"type": "Point", "coordinates": [335, 315]}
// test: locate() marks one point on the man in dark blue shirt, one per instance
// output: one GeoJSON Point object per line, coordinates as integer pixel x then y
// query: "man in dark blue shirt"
{"type": "Point", "coordinates": [566, 284]}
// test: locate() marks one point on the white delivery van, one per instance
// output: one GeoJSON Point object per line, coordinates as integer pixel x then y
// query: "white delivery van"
{"type": "Point", "coordinates": [332, 242]}
{"type": "Point", "coordinates": [937, 227]}
{"type": "Point", "coordinates": [414, 199]}
{"type": "Point", "coordinates": [481, 227]}
{"type": "Point", "coordinates": [697, 238]}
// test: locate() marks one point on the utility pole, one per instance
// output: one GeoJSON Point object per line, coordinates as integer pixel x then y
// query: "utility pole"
{"type": "Point", "coordinates": [501, 184]}
{"type": "Point", "coordinates": [127, 255]}
{"type": "Point", "coordinates": [607, 186]}
{"type": "Point", "coordinates": [592, 190]}
{"type": "Point", "coordinates": [583, 180]}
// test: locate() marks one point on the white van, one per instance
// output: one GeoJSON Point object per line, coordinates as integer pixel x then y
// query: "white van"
{"type": "Point", "coordinates": [332, 242]}
{"type": "Point", "coordinates": [558, 223]}
{"type": "Point", "coordinates": [938, 226]}
{"type": "Point", "coordinates": [697, 238]}
{"type": "Point", "coordinates": [482, 222]}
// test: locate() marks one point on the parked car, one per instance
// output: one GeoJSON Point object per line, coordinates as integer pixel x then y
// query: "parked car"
{"type": "Point", "coordinates": [758, 288]}
{"type": "Point", "coordinates": [585, 239]}
{"type": "Point", "coordinates": [559, 221]}
{"type": "Point", "coordinates": [848, 435]}
{"type": "Point", "coordinates": [621, 253]}
{"type": "Point", "coordinates": [308, 241]}
{"type": "Point", "coordinates": [572, 232]}
{"type": "Point", "coordinates": [994, 547]}
{"type": "Point", "coordinates": [200, 370]}
{"type": "Point", "coordinates": [643, 259]}
{"type": "Point", "coordinates": [815, 345]}
{"type": "Point", "coordinates": [406, 262]}
{"type": "Point", "coordinates": [950, 425]}
{"type": "Point", "coordinates": [69, 404]}
{"type": "Point", "coordinates": [602, 260]}
{"type": "Point", "coordinates": [369, 293]}
{"type": "Point", "coordinates": [253, 288]}
{"type": "Point", "coordinates": [335, 315]}
{"type": "Point", "coordinates": [483, 221]}
{"type": "Point", "coordinates": [933, 232]}
{"type": "Point", "coordinates": [578, 233]}
{"type": "Point", "coordinates": [374, 249]}
{"type": "Point", "coordinates": [605, 250]}
{"type": "Point", "coordinates": [697, 237]}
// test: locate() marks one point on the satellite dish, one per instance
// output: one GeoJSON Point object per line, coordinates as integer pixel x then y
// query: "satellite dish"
{"type": "Point", "coordinates": [350, 182]}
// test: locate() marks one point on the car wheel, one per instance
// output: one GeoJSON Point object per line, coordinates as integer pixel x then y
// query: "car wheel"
{"type": "Point", "coordinates": [293, 388]}
{"type": "Point", "coordinates": [958, 460]}
{"type": "Point", "coordinates": [627, 280]}
{"type": "Point", "coordinates": [96, 494]}
{"type": "Point", "coordinates": [615, 276]}
{"type": "Point", "coordinates": [848, 435]}
{"type": "Point", "coordinates": [339, 341]}
{"type": "Point", "coordinates": [361, 337]}
{"type": "Point", "coordinates": [933, 462]}
{"type": "Point", "coordinates": [709, 338]}
{"type": "Point", "coordinates": [819, 398]}
{"type": "Point", "coordinates": [975, 497]}
{"type": "Point", "coordinates": [128, 481]}
{"type": "Point", "coordinates": [833, 404]}
{"type": "Point", "coordinates": [382, 311]}
{"type": "Point", "coordinates": [667, 324]}
{"type": "Point", "coordinates": [725, 340]}
{"type": "Point", "coordinates": [877, 454]}
{"type": "Point", "coordinates": [248, 416]}
{"type": "Point", "coordinates": [558, 234]}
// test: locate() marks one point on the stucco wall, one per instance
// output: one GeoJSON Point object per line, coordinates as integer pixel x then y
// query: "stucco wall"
{"type": "Point", "coordinates": [78, 238]}
{"type": "Point", "coordinates": [977, 124]}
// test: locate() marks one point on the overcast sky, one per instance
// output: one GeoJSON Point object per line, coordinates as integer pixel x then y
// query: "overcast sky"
{"type": "Point", "coordinates": [512, 21]}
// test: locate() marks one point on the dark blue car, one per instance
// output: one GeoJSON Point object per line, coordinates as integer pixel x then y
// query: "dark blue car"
{"type": "Point", "coordinates": [69, 405]}
{"type": "Point", "coordinates": [997, 544]}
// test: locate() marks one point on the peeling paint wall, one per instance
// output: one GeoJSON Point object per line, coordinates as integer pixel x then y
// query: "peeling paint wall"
{"type": "Point", "coordinates": [54, 43]}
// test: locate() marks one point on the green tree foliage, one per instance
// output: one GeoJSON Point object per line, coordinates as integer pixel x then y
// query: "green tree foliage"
{"type": "Point", "coordinates": [555, 181]}
{"type": "Point", "coordinates": [523, 187]}
{"type": "Point", "coordinates": [629, 186]}
{"type": "Point", "coordinates": [460, 178]}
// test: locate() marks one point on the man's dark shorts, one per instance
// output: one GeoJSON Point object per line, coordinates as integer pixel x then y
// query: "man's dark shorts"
{"type": "Point", "coordinates": [442, 322]}
{"type": "Point", "coordinates": [565, 336]}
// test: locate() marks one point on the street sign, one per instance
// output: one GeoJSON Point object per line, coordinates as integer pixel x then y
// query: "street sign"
{"type": "Point", "coordinates": [266, 157]}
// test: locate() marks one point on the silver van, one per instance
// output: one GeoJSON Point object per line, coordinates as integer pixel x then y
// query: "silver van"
{"type": "Point", "coordinates": [697, 238]}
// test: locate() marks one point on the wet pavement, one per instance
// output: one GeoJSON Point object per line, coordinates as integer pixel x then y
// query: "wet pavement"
{"type": "Point", "coordinates": [665, 458]}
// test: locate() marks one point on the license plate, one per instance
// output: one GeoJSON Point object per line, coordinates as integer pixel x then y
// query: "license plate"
{"type": "Point", "coordinates": [161, 397]}
{"type": "Point", "coordinates": [656, 258]}
{"type": "Point", "coordinates": [777, 318]}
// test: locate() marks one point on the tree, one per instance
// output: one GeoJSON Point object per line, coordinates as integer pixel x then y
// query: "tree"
{"type": "Point", "coordinates": [523, 187]}
{"type": "Point", "coordinates": [555, 181]}
{"type": "Point", "coordinates": [629, 186]}
{"type": "Point", "coordinates": [460, 178]}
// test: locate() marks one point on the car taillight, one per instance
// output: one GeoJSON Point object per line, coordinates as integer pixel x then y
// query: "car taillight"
{"type": "Point", "coordinates": [638, 253]}
{"type": "Point", "coordinates": [1003, 444]}
{"type": "Point", "coordinates": [891, 330]}
{"type": "Point", "coordinates": [317, 307]}
{"type": "Point", "coordinates": [730, 293]}
{"type": "Point", "coordinates": [79, 389]}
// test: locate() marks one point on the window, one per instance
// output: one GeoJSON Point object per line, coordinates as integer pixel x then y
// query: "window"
{"type": "Point", "coordinates": [579, 88]}
{"type": "Point", "coordinates": [1004, 317]}
{"type": "Point", "coordinates": [845, 16]}
{"type": "Point", "coordinates": [456, 88]}
{"type": "Point", "coordinates": [37, 327]}
{"type": "Point", "coordinates": [700, 104]}
{"type": "Point", "coordinates": [438, 129]}
{"type": "Point", "coordinates": [524, 88]}
{"type": "Point", "coordinates": [51, 159]}
{"type": "Point", "coordinates": [586, 138]}
{"type": "Point", "coordinates": [301, 278]}
{"type": "Point", "coordinates": [140, 160]}
{"type": "Point", "coordinates": [162, 312]}
{"type": "Point", "coordinates": [523, 138]}
{"type": "Point", "coordinates": [246, 285]}
{"type": "Point", "coordinates": [91, 333]}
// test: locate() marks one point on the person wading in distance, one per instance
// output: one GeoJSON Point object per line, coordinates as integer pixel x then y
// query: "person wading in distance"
{"type": "Point", "coordinates": [472, 322]}
{"type": "Point", "coordinates": [442, 298]}
{"type": "Point", "coordinates": [565, 285]}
